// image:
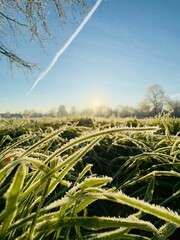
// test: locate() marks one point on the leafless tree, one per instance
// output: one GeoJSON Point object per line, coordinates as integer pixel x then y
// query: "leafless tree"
{"type": "Point", "coordinates": [62, 112]}
{"type": "Point", "coordinates": [30, 20]}
{"type": "Point", "coordinates": [155, 98]}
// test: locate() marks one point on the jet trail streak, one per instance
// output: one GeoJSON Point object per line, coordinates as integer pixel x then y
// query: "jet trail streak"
{"type": "Point", "coordinates": [66, 45]}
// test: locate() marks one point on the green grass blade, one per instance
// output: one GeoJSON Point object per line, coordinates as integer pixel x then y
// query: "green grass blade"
{"type": "Point", "coordinates": [150, 190]}
{"type": "Point", "coordinates": [155, 210]}
{"type": "Point", "coordinates": [96, 223]}
{"type": "Point", "coordinates": [97, 134]}
{"type": "Point", "coordinates": [139, 179]}
{"type": "Point", "coordinates": [39, 143]}
{"type": "Point", "coordinates": [165, 231]}
{"type": "Point", "coordinates": [12, 199]}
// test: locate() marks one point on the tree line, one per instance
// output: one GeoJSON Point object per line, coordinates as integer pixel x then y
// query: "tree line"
{"type": "Point", "coordinates": [31, 21]}
{"type": "Point", "coordinates": [155, 102]}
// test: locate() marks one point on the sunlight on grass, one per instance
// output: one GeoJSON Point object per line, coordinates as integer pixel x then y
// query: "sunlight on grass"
{"type": "Point", "coordinates": [103, 182]}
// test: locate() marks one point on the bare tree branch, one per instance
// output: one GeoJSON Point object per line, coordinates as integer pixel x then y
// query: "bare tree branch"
{"type": "Point", "coordinates": [13, 58]}
{"type": "Point", "coordinates": [12, 20]}
{"type": "Point", "coordinates": [31, 19]}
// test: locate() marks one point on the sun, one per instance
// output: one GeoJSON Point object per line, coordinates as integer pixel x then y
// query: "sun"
{"type": "Point", "coordinates": [96, 102]}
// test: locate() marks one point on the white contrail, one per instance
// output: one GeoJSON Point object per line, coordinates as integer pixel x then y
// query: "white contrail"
{"type": "Point", "coordinates": [66, 45]}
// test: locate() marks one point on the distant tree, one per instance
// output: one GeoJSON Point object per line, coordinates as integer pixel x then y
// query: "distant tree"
{"type": "Point", "coordinates": [88, 112]}
{"type": "Point", "coordinates": [30, 20]}
{"type": "Point", "coordinates": [155, 98]}
{"type": "Point", "coordinates": [103, 111]}
{"type": "Point", "coordinates": [62, 112]}
{"type": "Point", "coordinates": [52, 113]}
{"type": "Point", "coordinates": [174, 107]}
{"type": "Point", "coordinates": [7, 115]}
{"type": "Point", "coordinates": [73, 111]}
{"type": "Point", "coordinates": [27, 113]}
{"type": "Point", "coordinates": [143, 110]}
{"type": "Point", "coordinates": [33, 113]}
{"type": "Point", "coordinates": [124, 111]}
{"type": "Point", "coordinates": [144, 107]}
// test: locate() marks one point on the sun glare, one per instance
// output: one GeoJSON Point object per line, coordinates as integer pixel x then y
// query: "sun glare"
{"type": "Point", "coordinates": [96, 102]}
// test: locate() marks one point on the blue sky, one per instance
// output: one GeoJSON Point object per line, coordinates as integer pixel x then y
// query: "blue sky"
{"type": "Point", "coordinates": [127, 46]}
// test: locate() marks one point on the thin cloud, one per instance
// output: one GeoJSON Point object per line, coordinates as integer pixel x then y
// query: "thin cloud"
{"type": "Point", "coordinates": [66, 45]}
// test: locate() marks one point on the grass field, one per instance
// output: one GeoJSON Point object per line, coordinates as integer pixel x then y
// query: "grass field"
{"type": "Point", "coordinates": [86, 178]}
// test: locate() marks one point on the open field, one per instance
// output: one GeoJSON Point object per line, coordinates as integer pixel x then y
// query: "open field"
{"type": "Point", "coordinates": [86, 178]}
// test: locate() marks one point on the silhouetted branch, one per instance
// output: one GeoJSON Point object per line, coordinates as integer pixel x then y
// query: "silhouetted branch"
{"type": "Point", "coordinates": [13, 58]}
